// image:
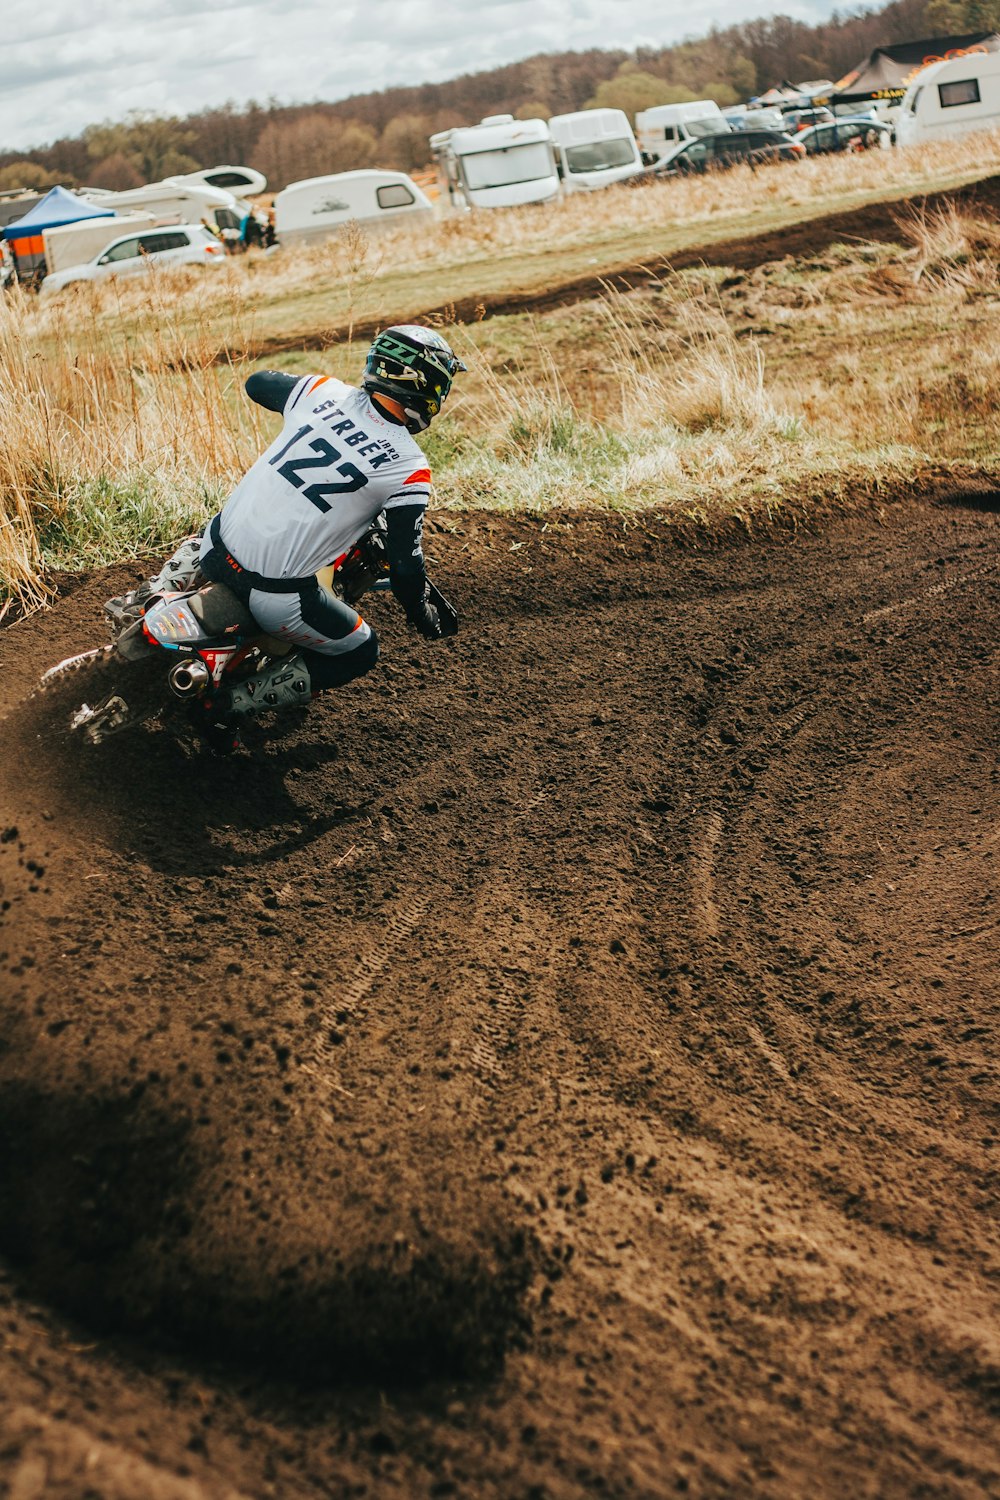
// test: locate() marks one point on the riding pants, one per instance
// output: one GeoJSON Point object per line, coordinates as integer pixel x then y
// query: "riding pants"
{"type": "Point", "coordinates": [335, 643]}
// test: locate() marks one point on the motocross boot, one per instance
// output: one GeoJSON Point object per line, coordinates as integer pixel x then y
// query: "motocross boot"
{"type": "Point", "coordinates": [281, 684]}
{"type": "Point", "coordinates": [179, 572]}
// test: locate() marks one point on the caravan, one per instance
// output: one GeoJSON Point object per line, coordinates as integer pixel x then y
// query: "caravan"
{"type": "Point", "coordinates": [499, 163]}
{"type": "Point", "coordinates": [239, 180]}
{"type": "Point", "coordinates": [664, 127]}
{"type": "Point", "coordinates": [174, 202]}
{"type": "Point", "coordinates": [951, 98]}
{"type": "Point", "coordinates": [594, 148]}
{"type": "Point", "coordinates": [320, 206]}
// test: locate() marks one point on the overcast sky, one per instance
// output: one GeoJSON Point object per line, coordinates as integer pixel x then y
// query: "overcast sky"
{"type": "Point", "coordinates": [66, 67]}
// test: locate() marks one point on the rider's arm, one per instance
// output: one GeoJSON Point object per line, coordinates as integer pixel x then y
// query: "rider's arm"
{"type": "Point", "coordinates": [271, 388]}
{"type": "Point", "coordinates": [407, 571]}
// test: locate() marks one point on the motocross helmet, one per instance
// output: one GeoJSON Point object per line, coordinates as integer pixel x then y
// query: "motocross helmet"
{"type": "Point", "coordinates": [414, 366]}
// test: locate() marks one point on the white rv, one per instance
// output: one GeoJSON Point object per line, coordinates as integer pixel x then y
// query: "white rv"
{"type": "Point", "coordinates": [499, 163]}
{"type": "Point", "coordinates": [319, 206]}
{"type": "Point", "coordinates": [666, 125]}
{"type": "Point", "coordinates": [594, 148]}
{"type": "Point", "coordinates": [238, 180]}
{"type": "Point", "coordinates": [172, 202]}
{"type": "Point", "coordinates": [951, 98]}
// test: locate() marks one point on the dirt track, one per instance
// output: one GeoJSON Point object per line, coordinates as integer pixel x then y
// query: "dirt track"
{"type": "Point", "coordinates": [567, 1064]}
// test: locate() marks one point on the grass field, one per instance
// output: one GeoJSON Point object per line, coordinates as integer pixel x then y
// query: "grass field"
{"type": "Point", "coordinates": [706, 396]}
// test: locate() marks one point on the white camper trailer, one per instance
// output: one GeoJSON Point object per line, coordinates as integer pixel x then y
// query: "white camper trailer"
{"type": "Point", "coordinates": [320, 206]}
{"type": "Point", "coordinates": [951, 98]}
{"type": "Point", "coordinates": [72, 244]}
{"type": "Point", "coordinates": [242, 181]}
{"type": "Point", "coordinates": [665, 126]}
{"type": "Point", "coordinates": [172, 202]}
{"type": "Point", "coordinates": [499, 163]}
{"type": "Point", "coordinates": [594, 148]}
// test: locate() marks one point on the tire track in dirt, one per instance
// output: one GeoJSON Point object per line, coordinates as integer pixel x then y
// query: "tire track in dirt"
{"type": "Point", "coordinates": [714, 843]}
{"type": "Point", "coordinates": [665, 939]}
{"type": "Point", "coordinates": [490, 1014]}
{"type": "Point", "coordinates": [349, 1001]}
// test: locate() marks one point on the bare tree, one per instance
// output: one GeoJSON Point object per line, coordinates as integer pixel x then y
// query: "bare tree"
{"type": "Point", "coordinates": [312, 145]}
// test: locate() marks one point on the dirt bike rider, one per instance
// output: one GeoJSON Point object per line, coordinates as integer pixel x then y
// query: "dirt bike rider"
{"type": "Point", "coordinates": [344, 455]}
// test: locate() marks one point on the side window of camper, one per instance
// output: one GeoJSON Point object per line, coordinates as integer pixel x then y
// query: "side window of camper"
{"type": "Point", "coordinates": [964, 92]}
{"type": "Point", "coordinates": [670, 133]}
{"type": "Point", "coordinates": [394, 195]}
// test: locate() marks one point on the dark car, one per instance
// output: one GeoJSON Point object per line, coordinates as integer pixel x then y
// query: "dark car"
{"type": "Point", "coordinates": [716, 152]}
{"type": "Point", "coordinates": [846, 134]}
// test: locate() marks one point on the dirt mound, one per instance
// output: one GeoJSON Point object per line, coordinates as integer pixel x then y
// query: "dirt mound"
{"type": "Point", "coordinates": [563, 1064]}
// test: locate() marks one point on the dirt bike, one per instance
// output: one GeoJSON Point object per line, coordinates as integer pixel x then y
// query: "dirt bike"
{"type": "Point", "coordinates": [185, 645]}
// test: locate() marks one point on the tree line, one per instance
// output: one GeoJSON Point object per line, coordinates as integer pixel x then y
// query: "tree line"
{"type": "Point", "coordinates": [390, 128]}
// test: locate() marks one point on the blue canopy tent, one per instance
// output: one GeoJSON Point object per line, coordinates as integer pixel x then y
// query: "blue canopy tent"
{"type": "Point", "coordinates": [59, 206]}
{"type": "Point", "coordinates": [25, 234]}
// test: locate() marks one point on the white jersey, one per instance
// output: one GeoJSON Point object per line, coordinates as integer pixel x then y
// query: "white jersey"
{"type": "Point", "coordinates": [319, 486]}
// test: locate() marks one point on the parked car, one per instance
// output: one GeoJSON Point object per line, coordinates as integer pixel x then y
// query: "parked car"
{"type": "Point", "coordinates": [846, 134]}
{"type": "Point", "coordinates": [170, 245]}
{"type": "Point", "coordinates": [794, 120]}
{"type": "Point", "coordinates": [716, 152]}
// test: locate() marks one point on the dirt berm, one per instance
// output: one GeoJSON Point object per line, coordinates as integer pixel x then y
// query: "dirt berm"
{"type": "Point", "coordinates": [563, 1064]}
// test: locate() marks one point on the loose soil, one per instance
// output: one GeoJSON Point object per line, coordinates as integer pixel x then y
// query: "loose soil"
{"type": "Point", "coordinates": [563, 1064]}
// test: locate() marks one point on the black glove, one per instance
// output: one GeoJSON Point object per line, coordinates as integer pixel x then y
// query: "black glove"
{"type": "Point", "coordinates": [425, 618]}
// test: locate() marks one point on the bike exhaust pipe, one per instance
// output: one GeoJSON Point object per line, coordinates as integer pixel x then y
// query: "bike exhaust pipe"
{"type": "Point", "coordinates": [189, 677]}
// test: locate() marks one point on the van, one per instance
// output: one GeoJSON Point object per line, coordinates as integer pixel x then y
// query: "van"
{"type": "Point", "coordinates": [319, 206]}
{"type": "Point", "coordinates": [951, 98]}
{"type": "Point", "coordinates": [594, 148]}
{"type": "Point", "coordinates": [664, 126]}
{"type": "Point", "coordinates": [499, 163]}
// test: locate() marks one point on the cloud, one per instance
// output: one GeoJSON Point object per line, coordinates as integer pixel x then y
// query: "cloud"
{"type": "Point", "coordinates": [176, 57]}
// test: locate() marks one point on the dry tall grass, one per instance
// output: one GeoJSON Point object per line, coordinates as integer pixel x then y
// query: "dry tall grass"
{"type": "Point", "coordinates": [115, 433]}
{"type": "Point", "coordinates": [691, 429]}
{"type": "Point", "coordinates": [952, 248]}
{"type": "Point", "coordinates": [121, 430]}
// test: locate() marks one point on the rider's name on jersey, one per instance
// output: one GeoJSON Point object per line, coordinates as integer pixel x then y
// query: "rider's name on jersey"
{"type": "Point", "coordinates": [378, 451]}
{"type": "Point", "coordinates": [320, 484]}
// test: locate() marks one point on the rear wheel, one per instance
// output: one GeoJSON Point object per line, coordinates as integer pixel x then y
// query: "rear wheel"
{"type": "Point", "coordinates": [99, 693]}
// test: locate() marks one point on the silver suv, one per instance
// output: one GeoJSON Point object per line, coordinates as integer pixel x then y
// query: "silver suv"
{"type": "Point", "coordinates": [171, 245]}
